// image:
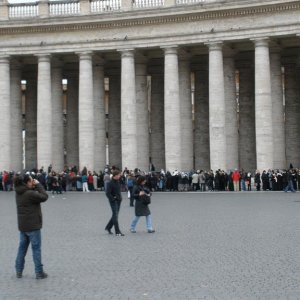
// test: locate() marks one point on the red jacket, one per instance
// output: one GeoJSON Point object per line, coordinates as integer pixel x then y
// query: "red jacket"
{"type": "Point", "coordinates": [236, 176]}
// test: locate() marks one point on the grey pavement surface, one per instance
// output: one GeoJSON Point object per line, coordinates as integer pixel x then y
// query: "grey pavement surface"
{"type": "Point", "coordinates": [207, 246]}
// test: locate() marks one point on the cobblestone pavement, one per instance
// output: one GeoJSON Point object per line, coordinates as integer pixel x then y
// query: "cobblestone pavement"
{"type": "Point", "coordinates": [207, 246]}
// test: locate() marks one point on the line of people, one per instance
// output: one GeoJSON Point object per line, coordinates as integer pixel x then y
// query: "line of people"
{"type": "Point", "coordinates": [87, 181]}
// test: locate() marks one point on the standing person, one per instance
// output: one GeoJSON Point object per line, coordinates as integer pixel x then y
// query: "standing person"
{"type": "Point", "coordinates": [142, 200]}
{"type": "Point", "coordinates": [130, 184]}
{"type": "Point", "coordinates": [257, 180]}
{"type": "Point", "coordinates": [29, 195]}
{"type": "Point", "coordinates": [236, 180]}
{"type": "Point", "coordinates": [113, 193]}
{"type": "Point", "coordinates": [84, 179]}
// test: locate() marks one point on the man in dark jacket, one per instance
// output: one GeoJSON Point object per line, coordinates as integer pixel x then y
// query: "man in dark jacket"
{"type": "Point", "coordinates": [113, 193]}
{"type": "Point", "coordinates": [29, 195]}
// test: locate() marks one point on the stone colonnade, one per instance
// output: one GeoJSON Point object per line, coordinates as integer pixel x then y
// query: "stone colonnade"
{"type": "Point", "coordinates": [153, 124]}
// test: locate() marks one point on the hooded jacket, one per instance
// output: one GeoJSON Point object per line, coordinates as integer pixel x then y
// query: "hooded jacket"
{"type": "Point", "coordinates": [29, 207]}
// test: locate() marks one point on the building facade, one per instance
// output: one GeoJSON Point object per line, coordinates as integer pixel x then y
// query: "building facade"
{"type": "Point", "coordinates": [211, 84]}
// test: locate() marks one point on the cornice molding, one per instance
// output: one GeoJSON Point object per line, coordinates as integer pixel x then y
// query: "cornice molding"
{"type": "Point", "coordinates": [180, 14]}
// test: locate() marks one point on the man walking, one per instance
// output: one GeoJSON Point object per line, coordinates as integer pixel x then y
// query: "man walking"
{"type": "Point", "coordinates": [113, 193]}
{"type": "Point", "coordinates": [290, 185]}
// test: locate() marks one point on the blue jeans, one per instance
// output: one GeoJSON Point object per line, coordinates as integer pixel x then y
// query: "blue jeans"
{"type": "Point", "coordinates": [33, 237]}
{"type": "Point", "coordinates": [148, 222]}
{"type": "Point", "coordinates": [290, 186]}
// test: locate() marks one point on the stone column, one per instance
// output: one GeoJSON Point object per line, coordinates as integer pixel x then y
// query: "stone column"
{"type": "Point", "coordinates": [114, 120]}
{"type": "Point", "coordinates": [217, 132]}
{"type": "Point", "coordinates": [86, 112]}
{"type": "Point", "coordinates": [99, 115]}
{"type": "Point", "coordinates": [31, 122]}
{"type": "Point", "coordinates": [263, 106]}
{"type": "Point", "coordinates": [128, 111]}
{"type": "Point", "coordinates": [157, 136]}
{"type": "Point", "coordinates": [72, 136]}
{"type": "Point", "coordinates": [292, 114]}
{"type": "Point", "coordinates": [5, 152]}
{"type": "Point", "coordinates": [277, 110]}
{"type": "Point", "coordinates": [232, 152]}
{"type": "Point", "coordinates": [201, 115]}
{"type": "Point", "coordinates": [57, 117]}
{"type": "Point", "coordinates": [186, 122]}
{"type": "Point", "coordinates": [142, 113]}
{"type": "Point", "coordinates": [16, 125]}
{"type": "Point", "coordinates": [44, 113]}
{"type": "Point", "coordinates": [247, 149]}
{"type": "Point", "coordinates": [172, 111]}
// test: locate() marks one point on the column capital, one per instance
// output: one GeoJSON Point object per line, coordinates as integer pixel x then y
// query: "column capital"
{"type": "Point", "coordinates": [215, 46]}
{"type": "Point", "coordinates": [57, 62]}
{"type": "Point", "coordinates": [16, 64]}
{"type": "Point", "coordinates": [229, 52]}
{"type": "Point", "coordinates": [4, 59]}
{"type": "Point", "coordinates": [170, 50]}
{"type": "Point", "coordinates": [184, 54]}
{"type": "Point", "coordinates": [85, 55]}
{"type": "Point", "coordinates": [43, 57]}
{"type": "Point", "coordinates": [127, 52]}
{"type": "Point", "coordinates": [141, 58]}
{"type": "Point", "coordinates": [98, 60]}
{"type": "Point", "coordinates": [261, 42]}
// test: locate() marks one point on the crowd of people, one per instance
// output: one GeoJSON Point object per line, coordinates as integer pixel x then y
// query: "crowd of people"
{"type": "Point", "coordinates": [71, 179]}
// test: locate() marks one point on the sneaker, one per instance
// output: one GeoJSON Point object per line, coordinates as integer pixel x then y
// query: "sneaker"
{"type": "Point", "coordinates": [132, 231]}
{"type": "Point", "coordinates": [151, 231]}
{"type": "Point", "coordinates": [120, 234]}
{"type": "Point", "coordinates": [41, 275]}
{"type": "Point", "coordinates": [19, 275]}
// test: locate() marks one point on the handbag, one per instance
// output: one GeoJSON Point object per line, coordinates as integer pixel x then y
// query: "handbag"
{"type": "Point", "coordinates": [145, 199]}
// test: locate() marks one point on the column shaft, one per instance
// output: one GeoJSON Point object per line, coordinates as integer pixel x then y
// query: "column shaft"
{"type": "Point", "coordinates": [232, 152]}
{"type": "Point", "coordinates": [217, 132]}
{"type": "Point", "coordinates": [86, 112]}
{"type": "Point", "coordinates": [157, 137]}
{"type": "Point", "coordinates": [142, 115]}
{"type": "Point", "coordinates": [263, 107]}
{"type": "Point", "coordinates": [277, 112]}
{"type": "Point", "coordinates": [247, 149]}
{"type": "Point", "coordinates": [44, 113]}
{"type": "Point", "coordinates": [186, 122]}
{"type": "Point", "coordinates": [201, 115]}
{"type": "Point", "coordinates": [72, 135]}
{"type": "Point", "coordinates": [31, 123]}
{"type": "Point", "coordinates": [5, 150]}
{"type": "Point", "coordinates": [16, 126]}
{"type": "Point", "coordinates": [57, 118]}
{"type": "Point", "coordinates": [172, 111]}
{"type": "Point", "coordinates": [99, 117]}
{"type": "Point", "coordinates": [292, 115]}
{"type": "Point", "coordinates": [128, 111]}
{"type": "Point", "coordinates": [114, 121]}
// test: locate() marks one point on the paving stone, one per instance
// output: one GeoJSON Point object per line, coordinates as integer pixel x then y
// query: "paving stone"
{"type": "Point", "coordinates": [206, 246]}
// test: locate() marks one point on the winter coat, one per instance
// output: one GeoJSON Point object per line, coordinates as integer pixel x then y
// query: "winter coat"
{"type": "Point", "coordinates": [29, 207]}
{"type": "Point", "coordinates": [141, 209]}
{"type": "Point", "coordinates": [113, 191]}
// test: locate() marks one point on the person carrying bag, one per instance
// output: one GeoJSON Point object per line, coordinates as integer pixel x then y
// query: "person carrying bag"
{"type": "Point", "coordinates": [142, 198]}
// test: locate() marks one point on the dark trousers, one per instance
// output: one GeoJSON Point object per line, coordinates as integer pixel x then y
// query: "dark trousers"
{"type": "Point", "coordinates": [115, 208]}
